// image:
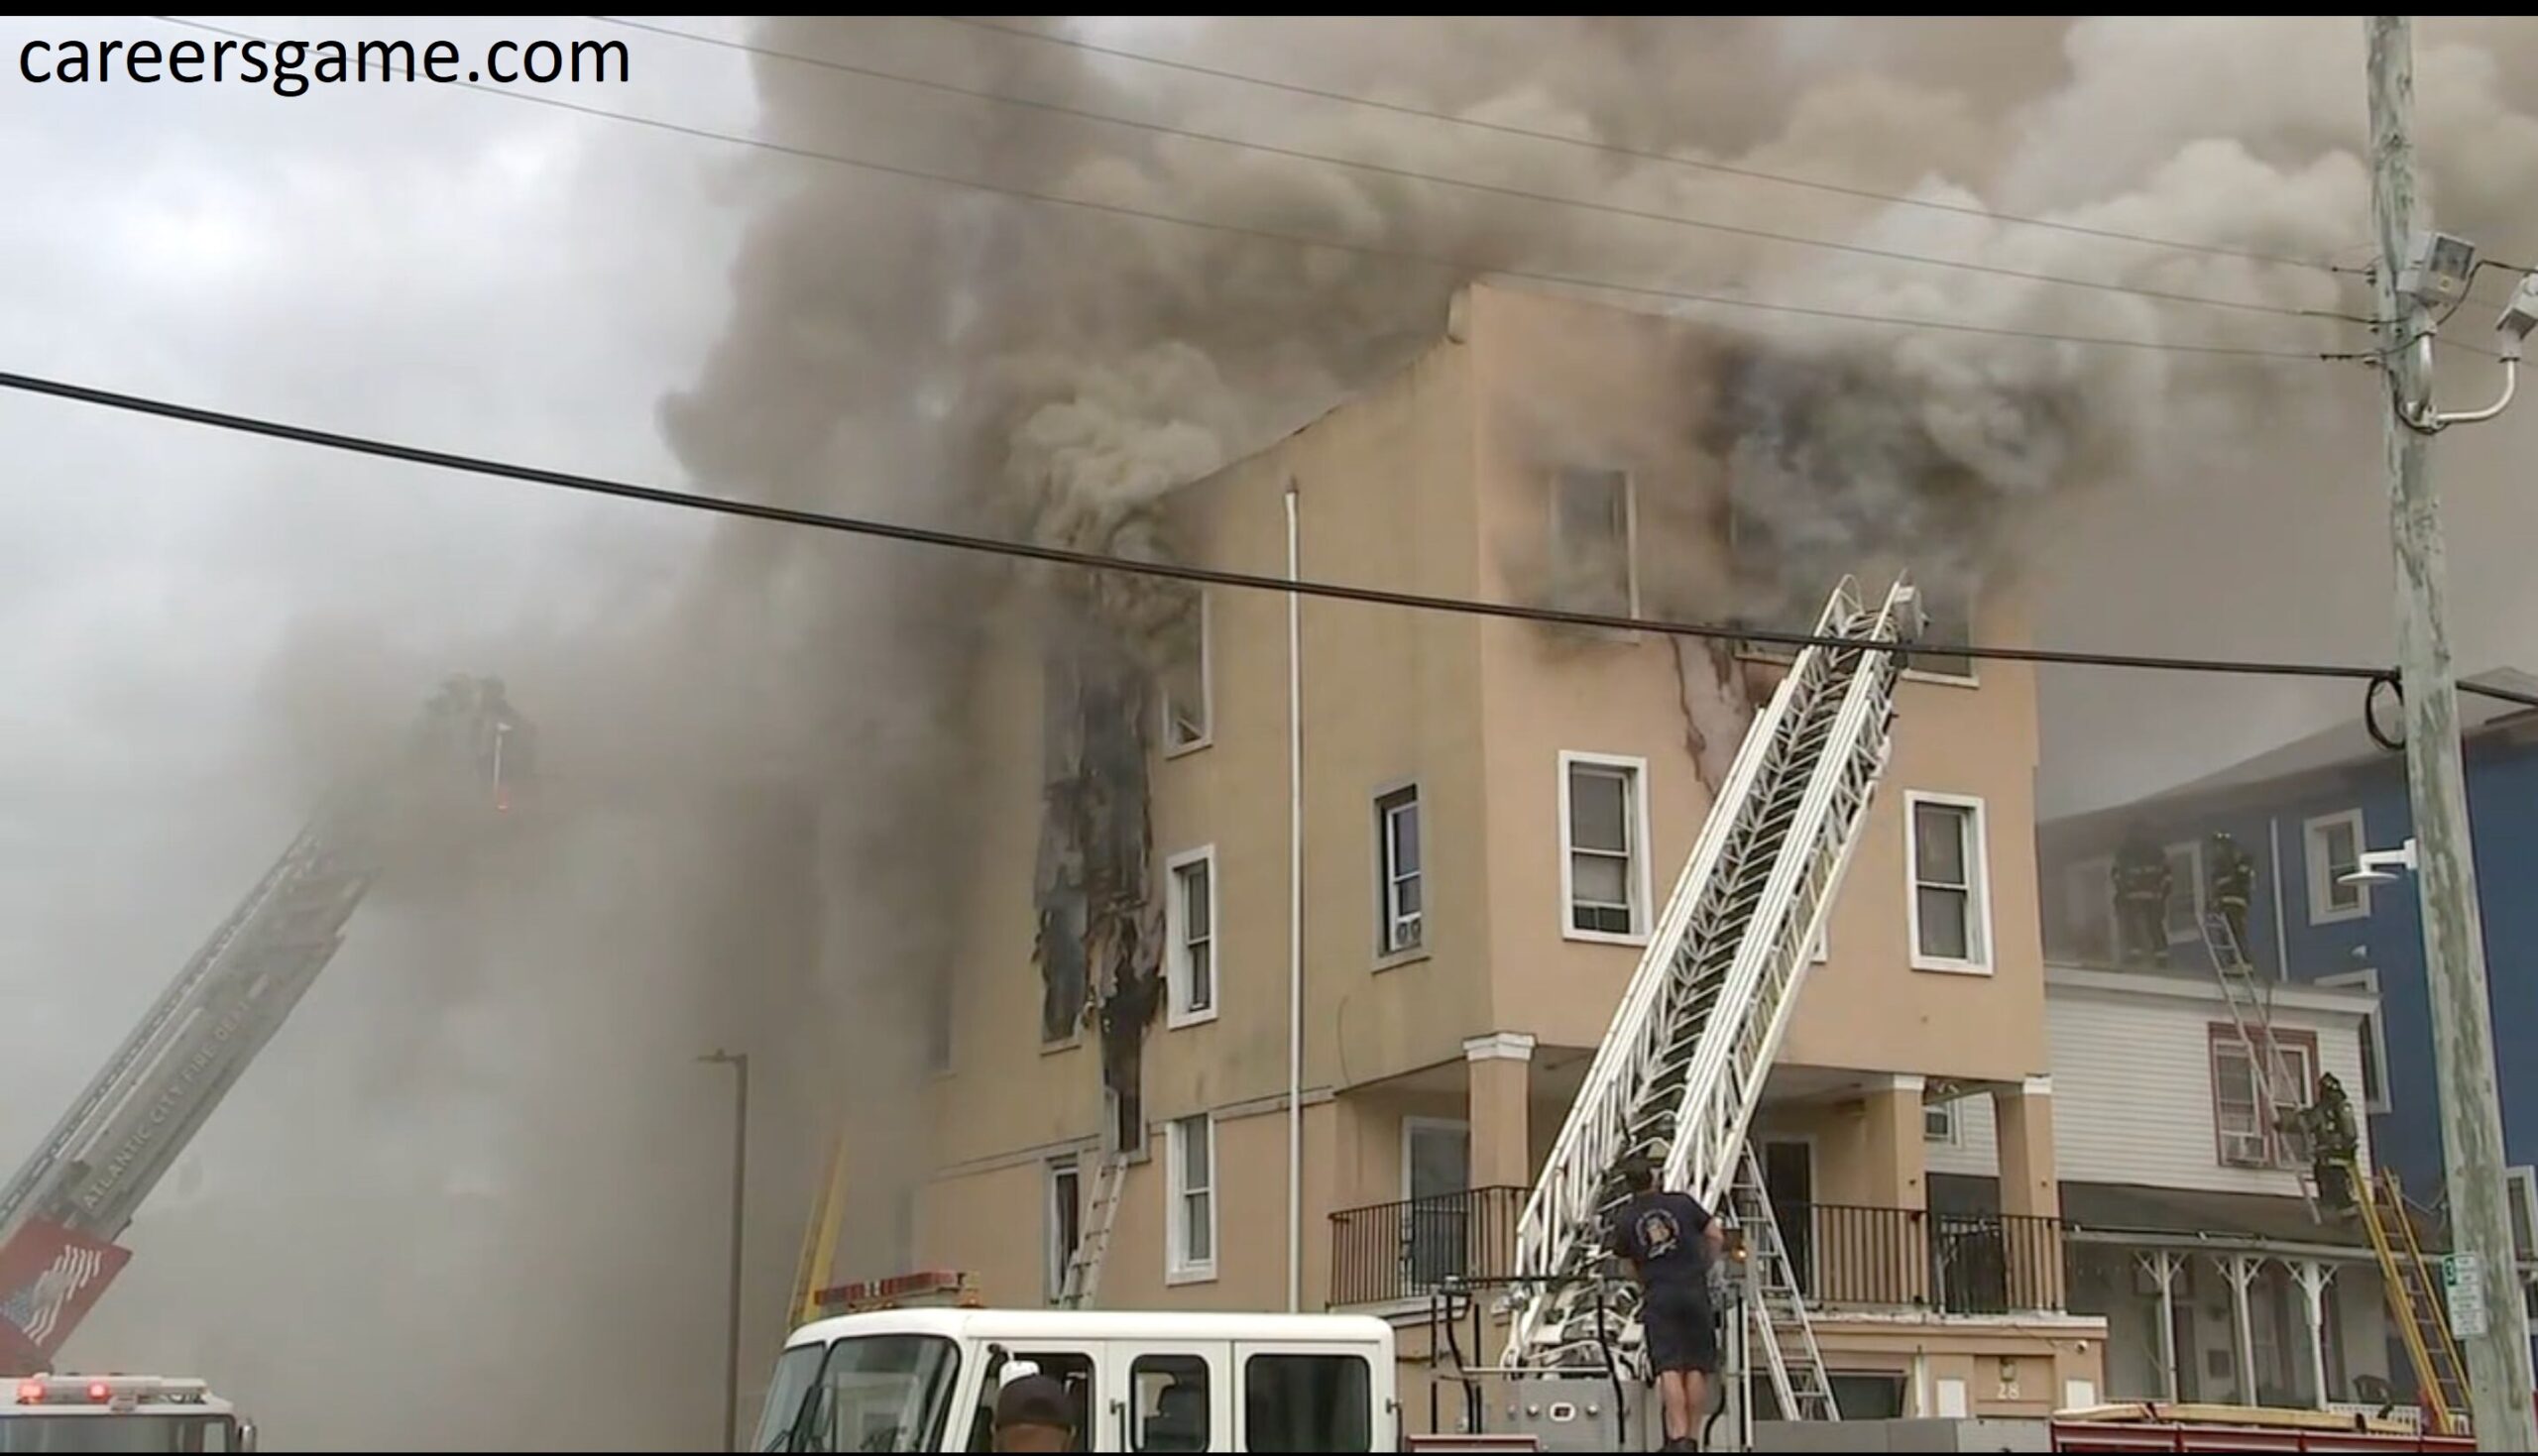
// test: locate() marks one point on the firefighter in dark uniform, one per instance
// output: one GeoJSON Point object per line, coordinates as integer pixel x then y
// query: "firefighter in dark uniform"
{"type": "Point", "coordinates": [2141, 884]}
{"type": "Point", "coordinates": [2232, 877]}
{"type": "Point", "coordinates": [2333, 1142]}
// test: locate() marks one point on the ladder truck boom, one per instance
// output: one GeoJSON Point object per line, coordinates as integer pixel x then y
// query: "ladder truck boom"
{"type": "Point", "coordinates": [62, 1212]}
{"type": "Point", "coordinates": [1679, 1076]}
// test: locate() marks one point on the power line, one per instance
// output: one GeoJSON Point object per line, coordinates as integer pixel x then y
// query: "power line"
{"type": "Point", "coordinates": [1676, 158]}
{"type": "Point", "coordinates": [1677, 219]}
{"type": "Point", "coordinates": [1128, 566]}
{"type": "Point", "coordinates": [1402, 255]}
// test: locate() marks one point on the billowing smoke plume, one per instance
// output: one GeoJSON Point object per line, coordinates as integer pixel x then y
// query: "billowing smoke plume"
{"type": "Point", "coordinates": [770, 747]}
{"type": "Point", "coordinates": [943, 355]}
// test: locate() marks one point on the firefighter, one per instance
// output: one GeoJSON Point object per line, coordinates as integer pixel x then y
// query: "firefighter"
{"type": "Point", "coordinates": [2141, 884]}
{"type": "Point", "coordinates": [2333, 1142]}
{"type": "Point", "coordinates": [2231, 881]}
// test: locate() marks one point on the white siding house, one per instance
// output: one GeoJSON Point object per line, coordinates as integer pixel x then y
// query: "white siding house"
{"type": "Point", "coordinates": [2135, 1093]}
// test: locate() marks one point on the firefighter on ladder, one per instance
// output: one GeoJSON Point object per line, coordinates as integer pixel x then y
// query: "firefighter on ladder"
{"type": "Point", "coordinates": [2327, 1126]}
{"type": "Point", "coordinates": [2141, 884]}
{"type": "Point", "coordinates": [2233, 876]}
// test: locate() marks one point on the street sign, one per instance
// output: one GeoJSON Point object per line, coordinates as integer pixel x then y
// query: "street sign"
{"type": "Point", "coordinates": [2462, 1278]}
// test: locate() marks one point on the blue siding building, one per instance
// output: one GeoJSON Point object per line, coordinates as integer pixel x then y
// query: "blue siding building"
{"type": "Point", "coordinates": [2303, 813]}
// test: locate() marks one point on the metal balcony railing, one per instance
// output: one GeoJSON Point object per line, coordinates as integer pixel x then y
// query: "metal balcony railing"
{"type": "Point", "coordinates": [1388, 1252]}
{"type": "Point", "coordinates": [1848, 1254]}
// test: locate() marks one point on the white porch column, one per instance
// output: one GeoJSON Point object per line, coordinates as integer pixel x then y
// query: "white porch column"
{"type": "Point", "coordinates": [2239, 1269]}
{"type": "Point", "coordinates": [2314, 1276]}
{"type": "Point", "coordinates": [2164, 1270]}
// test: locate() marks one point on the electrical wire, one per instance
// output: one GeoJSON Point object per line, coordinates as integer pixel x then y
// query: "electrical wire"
{"type": "Point", "coordinates": [1165, 570]}
{"type": "Point", "coordinates": [1740, 230]}
{"type": "Point", "coordinates": [1678, 159]}
{"type": "Point", "coordinates": [1403, 254]}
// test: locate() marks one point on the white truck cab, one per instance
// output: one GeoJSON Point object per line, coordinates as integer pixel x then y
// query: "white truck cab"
{"type": "Point", "coordinates": [118, 1414]}
{"type": "Point", "coordinates": [926, 1379]}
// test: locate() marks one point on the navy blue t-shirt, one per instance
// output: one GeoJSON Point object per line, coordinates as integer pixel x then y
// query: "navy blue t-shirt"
{"type": "Point", "coordinates": [1661, 1233]}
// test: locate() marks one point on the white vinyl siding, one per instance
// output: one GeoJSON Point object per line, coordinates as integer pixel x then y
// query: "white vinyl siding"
{"type": "Point", "coordinates": [2132, 1079]}
{"type": "Point", "coordinates": [2332, 846]}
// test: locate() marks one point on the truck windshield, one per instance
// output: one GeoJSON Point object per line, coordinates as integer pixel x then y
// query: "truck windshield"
{"type": "Point", "coordinates": [866, 1392]}
{"type": "Point", "coordinates": [118, 1433]}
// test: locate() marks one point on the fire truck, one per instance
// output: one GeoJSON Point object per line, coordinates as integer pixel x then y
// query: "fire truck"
{"type": "Point", "coordinates": [63, 1212]}
{"type": "Point", "coordinates": [120, 1414]}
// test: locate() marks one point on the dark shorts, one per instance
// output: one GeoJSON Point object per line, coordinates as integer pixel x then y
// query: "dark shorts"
{"type": "Point", "coordinates": [1682, 1332]}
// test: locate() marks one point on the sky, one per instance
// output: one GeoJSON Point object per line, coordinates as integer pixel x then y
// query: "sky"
{"type": "Point", "coordinates": [480, 273]}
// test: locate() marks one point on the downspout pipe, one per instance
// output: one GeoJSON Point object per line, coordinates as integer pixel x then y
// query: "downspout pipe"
{"type": "Point", "coordinates": [1295, 922]}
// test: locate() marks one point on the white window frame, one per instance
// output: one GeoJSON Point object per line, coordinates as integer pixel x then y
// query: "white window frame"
{"type": "Point", "coordinates": [1634, 821]}
{"type": "Point", "coordinates": [2313, 851]}
{"type": "Point", "coordinates": [1055, 1255]}
{"type": "Point", "coordinates": [2374, 1030]}
{"type": "Point", "coordinates": [2193, 851]}
{"type": "Point", "coordinates": [2275, 1155]}
{"type": "Point", "coordinates": [1972, 676]}
{"type": "Point", "coordinates": [1948, 1130]}
{"type": "Point", "coordinates": [1173, 749]}
{"type": "Point", "coordinates": [1179, 1267]}
{"type": "Point", "coordinates": [1978, 907]}
{"type": "Point", "coordinates": [1176, 941]}
{"type": "Point", "coordinates": [1556, 538]}
{"type": "Point", "coordinates": [1388, 949]}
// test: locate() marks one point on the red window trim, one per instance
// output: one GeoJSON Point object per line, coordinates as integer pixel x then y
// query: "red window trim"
{"type": "Point", "coordinates": [2222, 1034]}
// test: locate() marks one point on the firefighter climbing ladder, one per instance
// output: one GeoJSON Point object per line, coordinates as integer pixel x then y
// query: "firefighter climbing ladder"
{"type": "Point", "coordinates": [1680, 1073]}
{"type": "Point", "coordinates": [1084, 1265]}
{"type": "Point", "coordinates": [2414, 1301]}
{"type": "Point", "coordinates": [2250, 1008]}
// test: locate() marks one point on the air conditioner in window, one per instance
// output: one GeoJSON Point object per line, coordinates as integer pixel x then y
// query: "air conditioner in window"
{"type": "Point", "coordinates": [2246, 1150]}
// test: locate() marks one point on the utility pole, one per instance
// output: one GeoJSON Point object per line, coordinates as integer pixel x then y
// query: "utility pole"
{"type": "Point", "coordinates": [738, 1062]}
{"type": "Point", "coordinates": [2497, 1355]}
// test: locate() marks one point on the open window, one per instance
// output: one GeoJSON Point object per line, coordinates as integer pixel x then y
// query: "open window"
{"type": "Point", "coordinates": [1594, 521]}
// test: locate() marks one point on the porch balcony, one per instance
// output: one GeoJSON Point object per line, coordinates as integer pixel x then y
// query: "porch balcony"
{"type": "Point", "coordinates": [1848, 1258]}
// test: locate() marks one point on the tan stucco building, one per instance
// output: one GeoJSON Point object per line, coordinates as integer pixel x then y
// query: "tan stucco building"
{"type": "Point", "coordinates": [1492, 814]}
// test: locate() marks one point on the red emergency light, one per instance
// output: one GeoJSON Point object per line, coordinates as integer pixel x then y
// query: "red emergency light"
{"type": "Point", "coordinates": [98, 1390]}
{"type": "Point", "coordinates": [31, 1393]}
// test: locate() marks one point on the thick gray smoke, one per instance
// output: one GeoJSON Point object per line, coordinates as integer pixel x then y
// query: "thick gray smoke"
{"type": "Point", "coordinates": [764, 753]}
{"type": "Point", "coordinates": [941, 355]}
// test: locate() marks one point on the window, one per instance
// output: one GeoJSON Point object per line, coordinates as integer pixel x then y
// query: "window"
{"type": "Point", "coordinates": [2185, 892]}
{"type": "Point", "coordinates": [1189, 685]}
{"type": "Point", "coordinates": [1066, 1225]}
{"type": "Point", "coordinates": [1948, 606]}
{"type": "Point", "coordinates": [1169, 1403]}
{"type": "Point", "coordinates": [1192, 1153]}
{"type": "Point", "coordinates": [1399, 888]}
{"type": "Point", "coordinates": [2334, 845]}
{"type": "Point", "coordinates": [1590, 542]}
{"type": "Point", "coordinates": [1076, 1373]}
{"type": "Point", "coordinates": [1189, 937]}
{"type": "Point", "coordinates": [1308, 1402]}
{"type": "Point", "coordinates": [2239, 1106]}
{"type": "Point", "coordinates": [1939, 1122]}
{"type": "Point", "coordinates": [868, 1392]}
{"type": "Point", "coordinates": [1950, 920]}
{"type": "Point", "coordinates": [2520, 1191]}
{"type": "Point", "coordinates": [2088, 909]}
{"type": "Point", "coordinates": [1604, 829]}
{"type": "Point", "coordinates": [2374, 1038]}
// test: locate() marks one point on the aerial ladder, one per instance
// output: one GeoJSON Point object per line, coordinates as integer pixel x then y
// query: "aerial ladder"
{"type": "Point", "coordinates": [1679, 1074]}
{"type": "Point", "coordinates": [2249, 998]}
{"type": "Point", "coordinates": [64, 1211]}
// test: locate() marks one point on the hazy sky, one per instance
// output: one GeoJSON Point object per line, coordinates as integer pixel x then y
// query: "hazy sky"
{"type": "Point", "coordinates": [459, 269]}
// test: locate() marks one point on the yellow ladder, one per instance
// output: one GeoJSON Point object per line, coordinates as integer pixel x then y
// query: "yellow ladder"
{"type": "Point", "coordinates": [819, 1239]}
{"type": "Point", "coordinates": [2415, 1303]}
